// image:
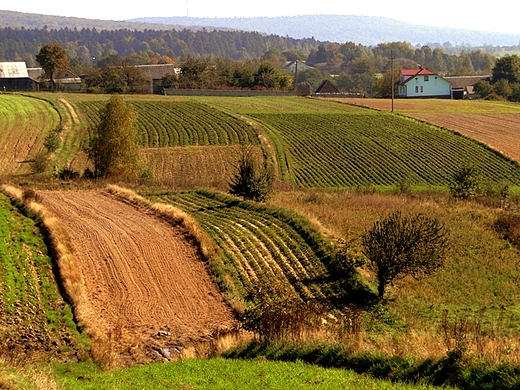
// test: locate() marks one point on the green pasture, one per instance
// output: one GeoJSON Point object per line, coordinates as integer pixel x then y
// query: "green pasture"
{"type": "Point", "coordinates": [219, 373]}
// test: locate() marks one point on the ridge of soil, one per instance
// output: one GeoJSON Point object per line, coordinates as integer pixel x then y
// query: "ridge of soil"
{"type": "Point", "coordinates": [147, 284]}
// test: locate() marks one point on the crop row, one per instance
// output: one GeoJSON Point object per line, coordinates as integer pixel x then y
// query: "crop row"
{"type": "Point", "coordinates": [258, 245]}
{"type": "Point", "coordinates": [180, 123]}
{"type": "Point", "coordinates": [341, 150]}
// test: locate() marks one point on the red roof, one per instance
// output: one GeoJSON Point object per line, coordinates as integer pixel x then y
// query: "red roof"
{"type": "Point", "coordinates": [416, 72]}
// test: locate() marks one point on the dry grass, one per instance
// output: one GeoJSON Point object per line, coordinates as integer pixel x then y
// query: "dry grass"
{"type": "Point", "coordinates": [477, 285]}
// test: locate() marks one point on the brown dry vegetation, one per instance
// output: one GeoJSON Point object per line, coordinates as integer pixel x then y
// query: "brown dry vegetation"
{"type": "Point", "coordinates": [477, 287]}
{"type": "Point", "coordinates": [193, 166]}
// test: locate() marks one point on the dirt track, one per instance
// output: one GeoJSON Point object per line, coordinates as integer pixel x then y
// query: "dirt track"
{"type": "Point", "coordinates": [144, 279]}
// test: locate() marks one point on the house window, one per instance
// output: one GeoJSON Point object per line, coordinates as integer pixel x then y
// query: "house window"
{"type": "Point", "coordinates": [416, 89]}
{"type": "Point", "coordinates": [426, 78]}
{"type": "Point", "coordinates": [421, 88]}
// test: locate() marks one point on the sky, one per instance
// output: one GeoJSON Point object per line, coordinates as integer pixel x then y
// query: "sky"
{"type": "Point", "coordinates": [440, 13]}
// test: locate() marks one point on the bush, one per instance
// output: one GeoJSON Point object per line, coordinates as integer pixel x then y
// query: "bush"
{"type": "Point", "coordinates": [465, 182]}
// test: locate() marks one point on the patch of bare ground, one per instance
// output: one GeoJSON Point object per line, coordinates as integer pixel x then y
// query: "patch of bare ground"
{"type": "Point", "coordinates": [146, 282]}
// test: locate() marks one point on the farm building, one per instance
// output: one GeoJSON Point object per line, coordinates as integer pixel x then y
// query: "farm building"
{"type": "Point", "coordinates": [65, 80]}
{"type": "Point", "coordinates": [326, 87]}
{"type": "Point", "coordinates": [293, 66]}
{"type": "Point", "coordinates": [462, 86]}
{"type": "Point", "coordinates": [14, 77]}
{"type": "Point", "coordinates": [423, 83]}
{"type": "Point", "coordinates": [156, 73]}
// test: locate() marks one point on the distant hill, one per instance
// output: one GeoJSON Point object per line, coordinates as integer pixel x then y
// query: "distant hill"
{"type": "Point", "coordinates": [37, 21]}
{"type": "Point", "coordinates": [367, 30]}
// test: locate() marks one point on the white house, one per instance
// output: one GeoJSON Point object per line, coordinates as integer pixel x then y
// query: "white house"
{"type": "Point", "coordinates": [423, 83]}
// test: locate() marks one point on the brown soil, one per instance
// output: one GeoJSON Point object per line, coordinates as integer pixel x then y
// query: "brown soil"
{"type": "Point", "coordinates": [147, 284]}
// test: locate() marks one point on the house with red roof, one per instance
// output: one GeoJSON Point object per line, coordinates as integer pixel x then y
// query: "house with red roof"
{"type": "Point", "coordinates": [423, 83]}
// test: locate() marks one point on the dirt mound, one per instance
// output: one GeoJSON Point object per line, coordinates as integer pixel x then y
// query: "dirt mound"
{"type": "Point", "coordinates": [147, 284]}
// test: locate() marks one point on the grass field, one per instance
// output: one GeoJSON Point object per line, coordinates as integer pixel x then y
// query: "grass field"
{"type": "Point", "coordinates": [35, 321]}
{"type": "Point", "coordinates": [223, 374]}
{"type": "Point", "coordinates": [333, 154]}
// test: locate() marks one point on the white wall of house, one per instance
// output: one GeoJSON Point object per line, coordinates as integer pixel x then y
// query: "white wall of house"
{"type": "Point", "coordinates": [425, 86]}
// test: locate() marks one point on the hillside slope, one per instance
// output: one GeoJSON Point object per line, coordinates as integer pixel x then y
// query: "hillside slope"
{"type": "Point", "coordinates": [147, 284]}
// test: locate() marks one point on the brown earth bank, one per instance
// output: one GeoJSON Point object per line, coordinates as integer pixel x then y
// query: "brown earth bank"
{"type": "Point", "coordinates": [147, 285]}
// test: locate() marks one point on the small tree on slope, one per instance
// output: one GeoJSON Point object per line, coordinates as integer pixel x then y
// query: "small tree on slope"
{"type": "Point", "coordinates": [400, 245]}
{"type": "Point", "coordinates": [113, 145]}
{"type": "Point", "coordinates": [252, 181]}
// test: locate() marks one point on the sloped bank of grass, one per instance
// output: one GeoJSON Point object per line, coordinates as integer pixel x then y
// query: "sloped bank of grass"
{"type": "Point", "coordinates": [36, 324]}
{"type": "Point", "coordinates": [219, 373]}
{"type": "Point", "coordinates": [455, 369]}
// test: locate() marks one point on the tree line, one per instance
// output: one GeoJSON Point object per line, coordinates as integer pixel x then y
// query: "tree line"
{"type": "Point", "coordinates": [232, 59]}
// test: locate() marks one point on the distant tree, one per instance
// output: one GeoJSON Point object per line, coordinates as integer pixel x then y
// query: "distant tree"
{"type": "Point", "coordinates": [384, 84]}
{"type": "Point", "coordinates": [113, 145]}
{"type": "Point", "coordinates": [465, 182]}
{"type": "Point", "coordinates": [252, 180]}
{"type": "Point", "coordinates": [52, 57]}
{"type": "Point", "coordinates": [399, 246]}
{"type": "Point", "coordinates": [192, 72]}
{"type": "Point", "coordinates": [312, 76]}
{"type": "Point", "coordinates": [503, 88]}
{"type": "Point", "coordinates": [483, 88]}
{"type": "Point", "coordinates": [508, 68]}
{"type": "Point", "coordinates": [266, 76]}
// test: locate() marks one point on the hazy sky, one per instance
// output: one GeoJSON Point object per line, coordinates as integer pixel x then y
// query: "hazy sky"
{"type": "Point", "coordinates": [442, 13]}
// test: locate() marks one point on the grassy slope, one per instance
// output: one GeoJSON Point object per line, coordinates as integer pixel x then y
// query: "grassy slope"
{"type": "Point", "coordinates": [24, 124]}
{"type": "Point", "coordinates": [35, 322]}
{"type": "Point", "coordinates": [324, 144]}
{"type": "Point", "coordinates": [222, 374]}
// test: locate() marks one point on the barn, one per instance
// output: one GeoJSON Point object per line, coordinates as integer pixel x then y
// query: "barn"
{"type": "Point", "coordinates": [14, 77]}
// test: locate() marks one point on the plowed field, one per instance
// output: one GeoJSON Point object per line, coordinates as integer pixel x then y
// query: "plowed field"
{"type": "Point", "coordinates": [147, 284]}
{"type": "Point", "coordinates": [496, 126]}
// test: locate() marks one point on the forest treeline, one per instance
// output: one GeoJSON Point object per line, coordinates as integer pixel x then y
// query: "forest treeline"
{"type": "Point", "coordinates": [355, 67]}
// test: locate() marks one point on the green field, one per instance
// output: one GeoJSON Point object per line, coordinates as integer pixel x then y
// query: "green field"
{"type": "Point", "coordinates": [180, 123]}
{"type": "Point", "coordinates": [35, 320]}
{"type": "Point", "coordinates": [223, 374]}
{"type": "Point", "coordinates": [328, 152]}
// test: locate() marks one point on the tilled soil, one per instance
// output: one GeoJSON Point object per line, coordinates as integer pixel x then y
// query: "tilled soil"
{"type": "Point", "coordinates": [148, 286]}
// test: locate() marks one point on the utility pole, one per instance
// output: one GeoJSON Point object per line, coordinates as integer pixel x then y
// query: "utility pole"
{"type": "Point", "coordinates": [295, 73]}
{"type": "Point", "coordinates": [392, 71]}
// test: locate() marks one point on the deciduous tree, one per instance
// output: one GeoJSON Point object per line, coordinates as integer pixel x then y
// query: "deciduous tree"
{"type": "Point", "coordinates": [402, 245]}
{"type": "Point", "coordinates": [113, 146]}
{"type": "Point", "coordinates": [52, 57]}
{"type": "Point", "coordinates": [252, 180]}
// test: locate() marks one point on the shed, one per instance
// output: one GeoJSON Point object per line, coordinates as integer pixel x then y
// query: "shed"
{"type": "Point", "coordinates": [326, 87]}
{"type": "Point", "coordinates": [14, 77]}
{"type": "Point", "coordinates": [462, 86]}
{"type": "Point", "coordinates": [65, 79]}
{"type": "Point", "coordinates": [156, 73]}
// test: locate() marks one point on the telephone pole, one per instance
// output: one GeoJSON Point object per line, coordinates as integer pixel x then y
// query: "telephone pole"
{"type": "Point", "coordinates": [392, 71]}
